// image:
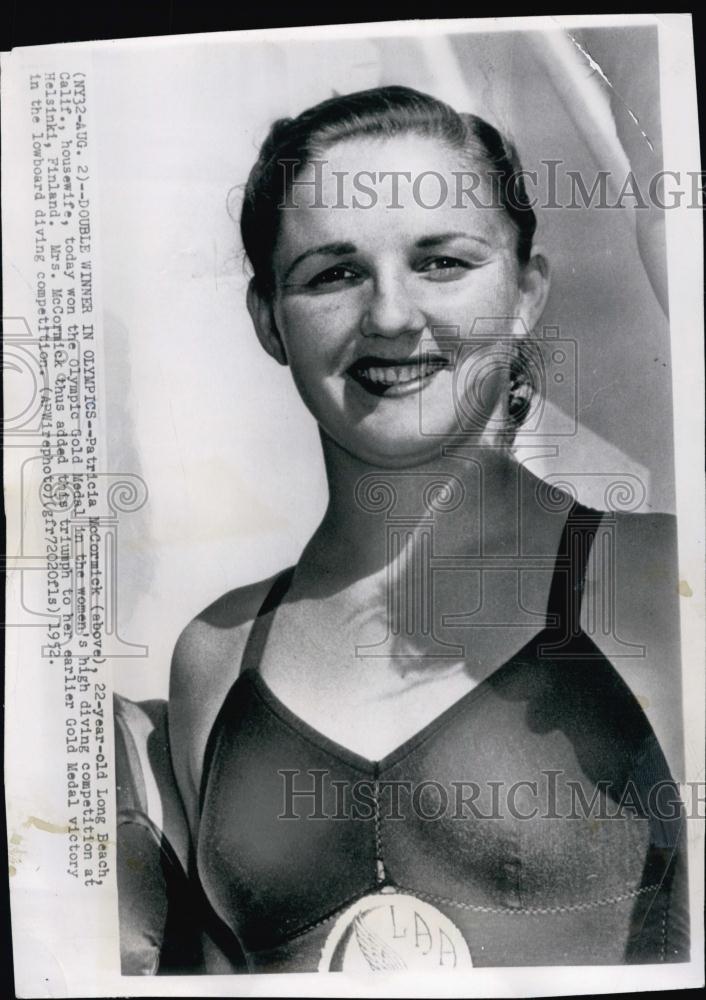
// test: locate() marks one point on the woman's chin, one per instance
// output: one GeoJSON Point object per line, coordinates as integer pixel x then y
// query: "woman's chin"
{"type": "Point", "coordinates": [396, 453]}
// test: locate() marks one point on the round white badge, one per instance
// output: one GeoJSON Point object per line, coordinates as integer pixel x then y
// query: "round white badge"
{"type": "Point", "coordinates": [390, 931]}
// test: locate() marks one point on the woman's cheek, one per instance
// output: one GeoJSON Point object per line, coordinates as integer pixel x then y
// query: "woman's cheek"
{"type": "Point", "coordinates": [321, 320]}
{"type": "Point", "coordinates": [480, 380]}
{"type": "Point", "coordinates": [459, 305]}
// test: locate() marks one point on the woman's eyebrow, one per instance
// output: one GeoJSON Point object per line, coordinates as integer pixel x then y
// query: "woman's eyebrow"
{"type": "Point", "coordinates": [330, 249]}
{"type": "Point", "coordinates": [342, 249]}
{"type": "Point", "coordinates": [428, 242]}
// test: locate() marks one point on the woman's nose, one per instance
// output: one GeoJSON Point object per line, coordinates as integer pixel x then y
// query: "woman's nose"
{"type": "Point", "coordinates": [391, 311]}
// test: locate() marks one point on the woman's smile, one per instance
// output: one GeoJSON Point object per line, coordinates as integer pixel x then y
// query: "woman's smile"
{"type": "Point", "coordinates": [392, 378]}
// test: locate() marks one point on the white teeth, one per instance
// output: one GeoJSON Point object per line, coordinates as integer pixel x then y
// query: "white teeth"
{"type": "Point", "coordinates": [392, 375]}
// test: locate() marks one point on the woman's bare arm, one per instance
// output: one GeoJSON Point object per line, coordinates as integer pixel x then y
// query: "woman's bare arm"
{"type": "Point", "coordinates": [631, 611]}
{"type": "Point", "coordinates": [205, 663]}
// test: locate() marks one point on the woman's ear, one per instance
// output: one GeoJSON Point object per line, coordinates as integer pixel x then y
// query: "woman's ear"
{"type": "Point", "coordinates": [262, 315]}
{"type": "Point", "coordinates": [534, 282]}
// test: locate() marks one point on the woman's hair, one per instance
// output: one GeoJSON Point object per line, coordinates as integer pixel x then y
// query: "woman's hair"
{"type": "Point", "coordinates": [383, 112]}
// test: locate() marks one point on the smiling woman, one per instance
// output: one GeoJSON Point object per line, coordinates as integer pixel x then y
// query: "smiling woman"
{"type": "Point", "coordinates": [412, 284]}
{"type": "Point", "coordinates": [408, 768]}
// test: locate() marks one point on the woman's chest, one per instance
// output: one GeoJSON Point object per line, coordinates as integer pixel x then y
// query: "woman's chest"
{"type": "Point", "coordinates": [487, 811]}
{"type": "Point", "coordinates": [370, 674]}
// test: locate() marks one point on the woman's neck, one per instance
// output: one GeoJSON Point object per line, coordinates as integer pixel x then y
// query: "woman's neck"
{"type": "Point", "coordinates": [461, 502]}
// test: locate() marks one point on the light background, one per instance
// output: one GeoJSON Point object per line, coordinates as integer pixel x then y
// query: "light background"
{"type": "Point", "coordinates": [228, 452]}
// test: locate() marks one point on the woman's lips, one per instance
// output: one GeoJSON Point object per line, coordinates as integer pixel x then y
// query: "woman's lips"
{"type": "Point", "coordinates": [396, 377]}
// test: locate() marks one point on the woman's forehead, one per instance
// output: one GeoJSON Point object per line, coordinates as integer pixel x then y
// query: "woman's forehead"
{"type": "Point", "coordinates": [404, 152]}
{"type": "Point", "coordinates": [376, 191]}
{"type": "Point", "coordinates": [396, 169]}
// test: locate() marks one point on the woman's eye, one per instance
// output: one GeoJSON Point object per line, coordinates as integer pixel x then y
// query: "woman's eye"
{"type": "Point", "coordinates": [332, 276]}
{"type": "Point", "coordinates": [443, 268]}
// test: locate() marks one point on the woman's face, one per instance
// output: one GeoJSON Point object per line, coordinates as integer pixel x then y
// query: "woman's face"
{"type": "Point", "coordinates": [397, 322]}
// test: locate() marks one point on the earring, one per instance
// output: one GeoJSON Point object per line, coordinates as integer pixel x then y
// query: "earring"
{"type": "Point", "coordinates": [522, 385]}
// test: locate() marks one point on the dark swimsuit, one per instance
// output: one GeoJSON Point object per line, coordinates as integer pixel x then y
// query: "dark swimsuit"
{"type": "Point", "coordinates": [583, 863]}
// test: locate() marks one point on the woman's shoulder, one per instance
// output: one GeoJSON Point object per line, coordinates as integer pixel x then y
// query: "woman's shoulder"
{"type": "Point", "coordinates": [631, 611]}
{"type": "Point", "coordinates": [633, 565]}
{"type": "Point", "coordinates": [205, 663]}
{"type": "Point", "coordinates": [639, 552]}
{"type": "Point", "coordinates": [215, 634]}
{"type": "Point", "coordinates": [647, 530]}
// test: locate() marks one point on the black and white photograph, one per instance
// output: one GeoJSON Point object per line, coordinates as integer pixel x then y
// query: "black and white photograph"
{"type": "Point", "coordinates": [353, 437]}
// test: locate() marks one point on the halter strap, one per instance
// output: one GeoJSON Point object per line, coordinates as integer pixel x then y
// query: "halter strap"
{"type": "Point", "coordinates": [252, 653]}
{"type": "Point", "coordinates": [567, 586]}
{"type": "Point", "coordinates": [260, 629]}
